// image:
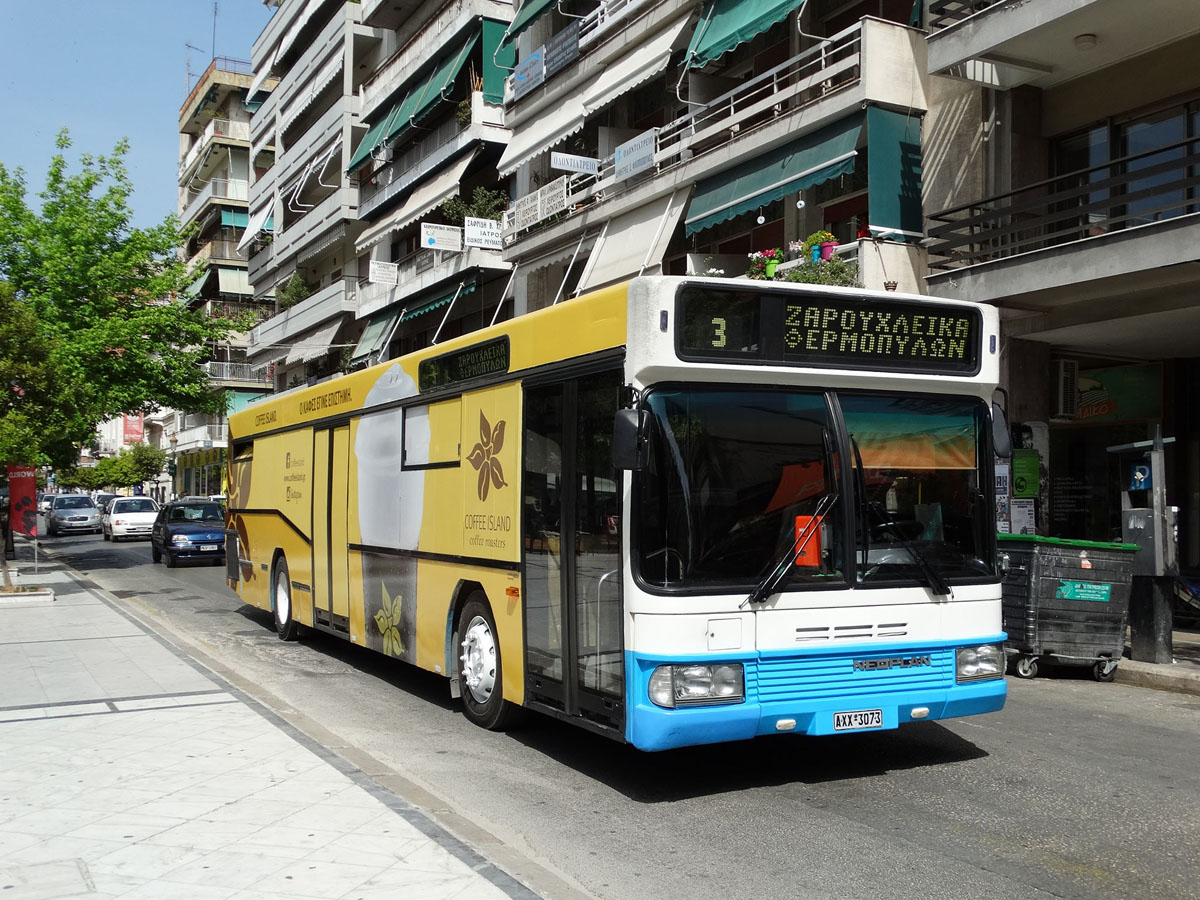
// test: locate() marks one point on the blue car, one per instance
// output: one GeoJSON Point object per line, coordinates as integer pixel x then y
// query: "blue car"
{"type": "Point", "coordinates": [189, 529]}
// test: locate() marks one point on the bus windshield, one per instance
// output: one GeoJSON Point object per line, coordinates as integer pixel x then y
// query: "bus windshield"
{"type": "Point", "coordinates": [736, 477]}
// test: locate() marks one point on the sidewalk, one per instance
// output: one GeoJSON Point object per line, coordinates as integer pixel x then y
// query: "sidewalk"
{"type": "Point", "coordinates": [127, 770]}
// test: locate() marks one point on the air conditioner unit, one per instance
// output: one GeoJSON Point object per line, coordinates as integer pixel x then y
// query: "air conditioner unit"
{"type": "Point", "coordinates": [1065, 402]}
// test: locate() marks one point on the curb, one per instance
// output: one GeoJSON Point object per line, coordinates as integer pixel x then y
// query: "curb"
{"type": "Point", "coordinates": [1159, 677]}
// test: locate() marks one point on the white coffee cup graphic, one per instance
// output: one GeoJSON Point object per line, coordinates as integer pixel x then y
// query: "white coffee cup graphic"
{"type": "Point", "coordinates": [390, 499]}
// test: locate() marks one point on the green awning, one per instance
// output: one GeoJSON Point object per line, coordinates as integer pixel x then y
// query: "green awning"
{"type": "Point", "coordinates": [235, 218]}
{"type": "Point", "coordinates": [498, 61]}
{"type": "Point", "coordinates": [269, 225]}
{"type": "Point", "coordinates": [379, 327]}
{"type": "Point", "coordinates": [894, 174]}
{"type": "Point", "coordinates": [375, 136]}
{"type": "Point", "coordinates": [196, 286]}
{"type": "Point", "coordinates": [441, 81]}
{"type": "Point", "coordinates": [431, 305]}
{"type": "Point", "coordinates": [726, 23]}
{"type": "Point", "coordinates": [810, 160]}
{"type": "Point", "coordinates": [528, 14]}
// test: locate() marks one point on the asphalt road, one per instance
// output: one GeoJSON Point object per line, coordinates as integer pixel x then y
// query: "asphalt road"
{"type": "Point", "coordinates": [1075, 790]}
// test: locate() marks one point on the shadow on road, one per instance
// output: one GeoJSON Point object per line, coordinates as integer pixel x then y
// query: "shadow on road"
{"type": "Point", "coordinates": [675, 775]}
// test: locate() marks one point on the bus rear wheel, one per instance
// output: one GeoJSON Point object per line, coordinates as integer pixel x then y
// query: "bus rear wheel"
{"type": "Point", "coordinates": [281, 602]}
{"type": "Point", "coordinates": [480, 668]}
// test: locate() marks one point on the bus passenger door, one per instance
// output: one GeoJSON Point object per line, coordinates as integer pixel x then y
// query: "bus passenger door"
{"type": "Point", "coordinates": [339, 511]}
{"type": "Point", "coordinates": [320, 526]}
{"type": "Point", "coordinates": [571, 537]}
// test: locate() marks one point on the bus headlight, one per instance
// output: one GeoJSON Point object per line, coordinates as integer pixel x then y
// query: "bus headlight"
{"type": "Point", "coordinates": [978, 663]}
{"type": "Point", "coordinates": [672, 686]}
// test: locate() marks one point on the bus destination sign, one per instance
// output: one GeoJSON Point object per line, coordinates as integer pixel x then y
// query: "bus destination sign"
{"type": "Point", "coordinates": [477, 361]}
{"type": "Point", "coordinates": [822, 331]}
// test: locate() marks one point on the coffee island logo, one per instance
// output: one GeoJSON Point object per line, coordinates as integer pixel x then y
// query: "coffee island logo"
{"type": "Point", "coordinates": [387, 620]}
{"type": "Point", "coordinates": [484, 456]}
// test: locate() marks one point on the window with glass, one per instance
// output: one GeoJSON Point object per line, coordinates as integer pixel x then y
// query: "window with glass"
{"type": "Point", "coordinates": [743, 481]}
{"type": "Point", "coordinates": [738, 480]}
{"type": "Point", "coordinates": [922, 513]}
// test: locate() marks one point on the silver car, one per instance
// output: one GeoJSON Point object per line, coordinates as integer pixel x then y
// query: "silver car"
{"type": "Point", "coordinates": [72, 512]}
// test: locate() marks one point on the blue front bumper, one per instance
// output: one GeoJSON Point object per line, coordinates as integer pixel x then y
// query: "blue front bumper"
{"type": "Point", "coordinates": [800, 693]}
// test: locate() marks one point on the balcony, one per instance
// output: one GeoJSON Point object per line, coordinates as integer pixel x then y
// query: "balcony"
{"type": "Point", "coordinates": [234, 372]}
{"type": "Point", "coordinates": [202, 437]}
{"type": "Point", "coordinates": [1111, 200]}
{"type": "Point", "coordinates": [330, 301]}
{"type": "Point", "coordinates": [214, 250]}
{"type": "Point", "coordinates": [1049, 42]}
{"type": "Point", "coordinates": [216, 191]}
{"type": "Point", "coordinates": [225, 129]}
{"type": "Point", "coordinates": [871, 60]}
{"type": "Point", "coordinates": [430, 153]}
{"type": "Point", "coordinates": [422, 270]}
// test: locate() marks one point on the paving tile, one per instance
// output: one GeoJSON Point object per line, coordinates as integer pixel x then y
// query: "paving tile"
{"type": "Point", "coordinates": [203, 834]}
{"type": "Point", "coordinates": [317, 879]}
{"type": "Point", "coordinates": [229, 868]}
{"type": "Point", "coordinates": [127, 826]}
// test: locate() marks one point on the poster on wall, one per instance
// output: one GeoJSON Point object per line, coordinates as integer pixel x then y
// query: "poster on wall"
{"type": "Point", "coordinates": [1003, 492]}
{"type": "Point", "coordinates": [1025, 473]}
{"type": "Point", "coordinates": [1024, 516]}
{"type": "Point", "coordinates": [134, 428]}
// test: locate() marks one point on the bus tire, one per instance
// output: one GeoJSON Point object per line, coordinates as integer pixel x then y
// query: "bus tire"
{"type": "Point", "coordinates": [480, 669]}
{"type": "Point", "coordinates": [281, 601]}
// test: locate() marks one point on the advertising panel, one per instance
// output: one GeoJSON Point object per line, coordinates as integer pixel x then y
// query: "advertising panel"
{"type": "Point", "coordinates": [483, 233]}
{"type": "Point", "coordinates": [441, 237]}
{"type": "Point", "coordinates": [134, 428]}
{"type": "Point", "coordinates": [22, 497]}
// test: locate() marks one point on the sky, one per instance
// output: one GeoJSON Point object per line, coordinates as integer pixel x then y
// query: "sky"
{"type": "Point", "coordinates": [107, 69]}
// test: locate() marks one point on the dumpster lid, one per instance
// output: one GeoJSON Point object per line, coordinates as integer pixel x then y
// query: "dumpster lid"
{"type": "Point", "coordinates": [1064, 542]}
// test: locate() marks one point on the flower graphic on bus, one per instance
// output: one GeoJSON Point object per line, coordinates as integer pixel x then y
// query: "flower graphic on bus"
{"type": "Point", "coordinates": [484, 456]}
{"type": "Point", "coordinates": [387, 620]}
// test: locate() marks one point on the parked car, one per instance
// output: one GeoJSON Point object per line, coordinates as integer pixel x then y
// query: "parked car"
{"type": "Point", "coordinates": [188, 529]}
{"type": "Point", "coordinates": [72, 512]}
{"type": "Point", "coordinates": [128, 517]}
{"type": "Point", "coordinates": [44, 501]}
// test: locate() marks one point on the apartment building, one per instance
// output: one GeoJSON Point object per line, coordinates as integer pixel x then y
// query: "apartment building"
{"type": "Point", "coordinates": [1062, 184]}
{"type": "Point", "coordinates": [214, 183]}
{"type": "Point", "coordinates": [303, 209]}
{"type": "Point", "coordinates": [679, 137]}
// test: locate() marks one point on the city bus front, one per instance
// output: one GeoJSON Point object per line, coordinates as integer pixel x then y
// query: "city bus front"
{"type": "Point", "coordinates": [810, 531]}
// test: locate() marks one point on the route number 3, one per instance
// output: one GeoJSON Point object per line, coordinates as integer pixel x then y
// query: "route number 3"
{"type": "Point", "coordinates": [719, 332]}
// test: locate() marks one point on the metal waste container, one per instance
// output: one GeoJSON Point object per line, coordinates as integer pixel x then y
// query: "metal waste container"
{"type": "Point", "coordinates": [1065, 601]}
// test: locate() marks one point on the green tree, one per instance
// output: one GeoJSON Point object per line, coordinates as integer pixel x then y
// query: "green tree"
{"type": "Point", "coordinates": [484, 204]}
{"type": "Point", "coordinates": [98, 295]}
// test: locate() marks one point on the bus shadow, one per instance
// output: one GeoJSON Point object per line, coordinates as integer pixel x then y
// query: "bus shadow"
{"type": "Point", "coordinates": [691, 772]}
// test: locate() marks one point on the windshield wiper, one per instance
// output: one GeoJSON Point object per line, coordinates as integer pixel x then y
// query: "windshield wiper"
{"type": "Point", "coordinates": [779, 569]}
{"type": "Point", "coordinates": [935, 580]}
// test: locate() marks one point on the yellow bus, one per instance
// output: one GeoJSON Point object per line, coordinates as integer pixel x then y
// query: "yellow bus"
{"type": "Point", "coordinates": [673, 511]}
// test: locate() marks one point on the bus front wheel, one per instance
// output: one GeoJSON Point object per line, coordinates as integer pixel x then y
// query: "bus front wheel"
{"type": "Point", "coordinates": [479, 667]}
{"type": "Point", "coordinates": [285, 625]}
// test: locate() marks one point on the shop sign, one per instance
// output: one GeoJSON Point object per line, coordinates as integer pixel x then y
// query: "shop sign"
{"type": "Point", "coordinates": [566, 162]}
{"type": "Point", "coordinates": [530, 72]}
{"type": "Point", "coordinates": [636, 155]}
{"type": "Point", "coordinates": [552, 199]}
{"type": "Point", "coordinates": [525, 211]}
{"type": "Point", "coordinates": [483, 233]}
{"type": "Point", "coordinates": [1120, 394]}
{"type": "Point", "coordinates": [384, 273]}
{"type": "Point", "coordinates": [561, 50]}
{"type": "Point", "coordinates": [441, 237]}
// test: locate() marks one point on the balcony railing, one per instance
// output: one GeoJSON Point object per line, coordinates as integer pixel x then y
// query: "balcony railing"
{"type": "Point", "coordinates": [217, 189]}
{"type": "Point", "coordinates": [238, 131]}
{"type": "Point", "coordinates": [389, 180]}
{"type": "Point", "coordinates": [1150, 187]}
{"type": "Point", "coordinates": [942, 13]}
{"type": "Point", "coordinates": [800, 82]}
{"type": "Point", "coordinates": [202, 436]}
{"type": "Point", "coordinates": [230, 371]}
{"type": "Point", "coordinates": [216, 250]}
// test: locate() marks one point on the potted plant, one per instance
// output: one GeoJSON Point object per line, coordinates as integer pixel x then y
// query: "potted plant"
{"type": "Point", "coordinates": [819, 245]}
{"type": "Point", "coordinates": [763, 263]}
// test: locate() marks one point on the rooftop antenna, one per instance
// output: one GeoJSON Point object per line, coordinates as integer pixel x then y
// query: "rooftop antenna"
{"type": "Point", "coordinates": [189, 64]}
{"type": "Point", "coordinates": [214, 31]}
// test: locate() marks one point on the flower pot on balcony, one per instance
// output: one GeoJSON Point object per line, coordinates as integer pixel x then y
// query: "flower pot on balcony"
{"type": "Point", "coordinates": [827, 249]}
{"type": "Point", "coordinates": [771, 269]}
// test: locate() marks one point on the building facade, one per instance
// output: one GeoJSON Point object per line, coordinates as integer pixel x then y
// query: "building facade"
{"type": "Point", "coordinates": [1038, 156]}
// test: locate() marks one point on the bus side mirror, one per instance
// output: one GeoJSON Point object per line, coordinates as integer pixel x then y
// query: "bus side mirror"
{"type": "Point", "coordinates": [631, 450]}
{"type": "Point", "coordinates": [1001, 437]}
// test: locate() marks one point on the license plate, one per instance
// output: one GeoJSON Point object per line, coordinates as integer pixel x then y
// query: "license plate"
{"type": "Point", "coordinates": [858, 719]}
{"type": "Point", "coordinates": [210, 546]}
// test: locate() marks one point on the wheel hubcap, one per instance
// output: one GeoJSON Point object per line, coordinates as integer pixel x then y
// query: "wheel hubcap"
{"type": "Point", "coordinates": [283, 602]}
{"type": "Point", "coordinates": [479, 659]}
